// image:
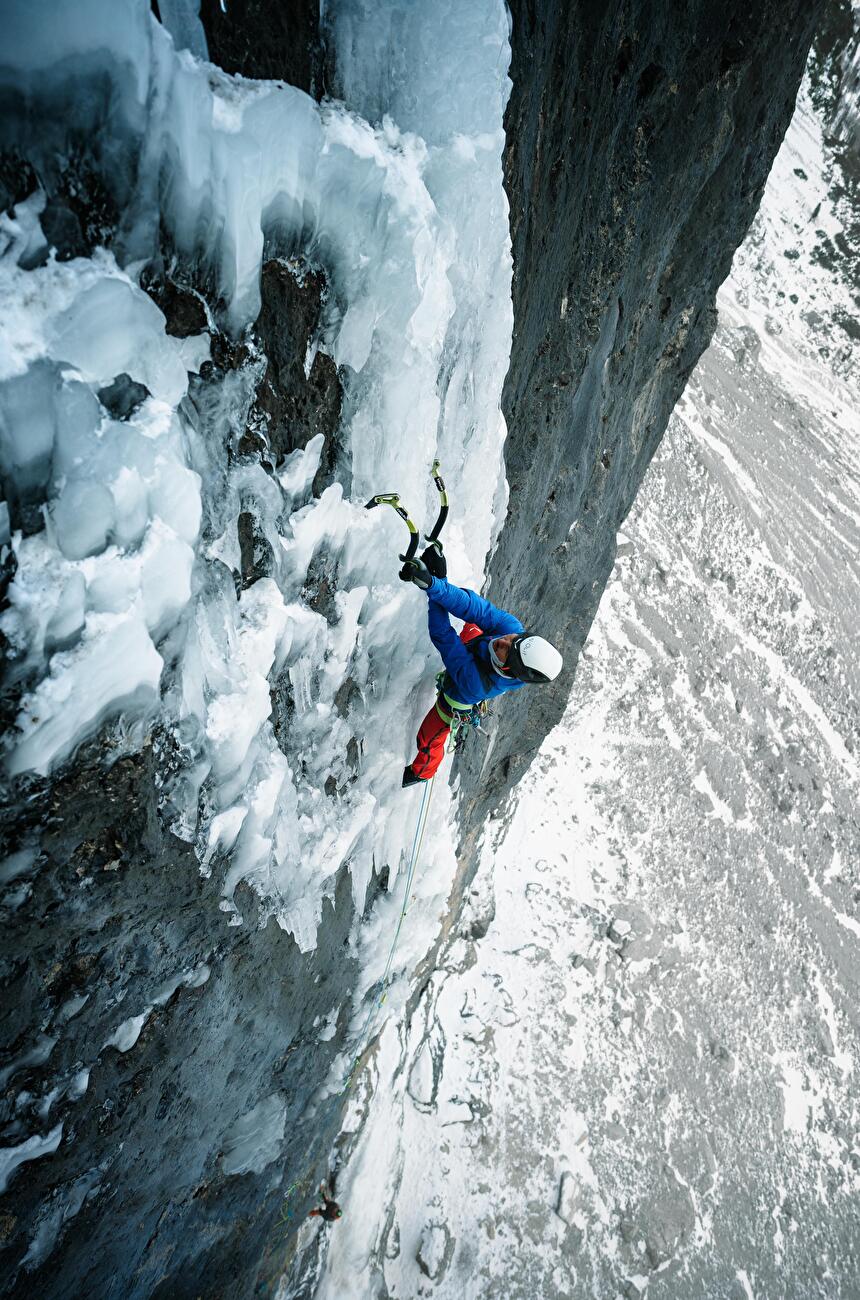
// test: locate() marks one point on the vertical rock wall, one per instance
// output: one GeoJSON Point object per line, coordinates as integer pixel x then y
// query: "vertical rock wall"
{"type": "Point", "coordinates": [639, 138]}
{"type": "Point", "coordinates": [171, 1058]}
{"type": "Point", "coordinates": [277, 40]}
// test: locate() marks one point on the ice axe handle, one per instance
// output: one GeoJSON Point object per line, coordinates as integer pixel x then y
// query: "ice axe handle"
{"type": "Point", "coordinates": [404, 574]}
{"type": "Point", "coordinates": [433, 537]}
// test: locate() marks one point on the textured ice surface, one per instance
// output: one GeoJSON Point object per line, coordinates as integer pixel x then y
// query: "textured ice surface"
{"type": "Point", "coordinates": [110, 571]}
{"type": "Point", "coordinates": [182, 20]}
{"type": "Point", "coordinates": [126, 1034]}
{"type": "Point", "coordinates": [34, 1055]}
{"type": "Point", "coordinates": [33, 1148]}
{"type": "Point", "coordinates": [123, 610]}
{"type": "Point", "coordinates": [64, 1208]}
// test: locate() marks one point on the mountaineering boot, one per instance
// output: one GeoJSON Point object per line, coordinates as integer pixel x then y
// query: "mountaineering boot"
{"type": "Point", "coordinates": [409, 778]}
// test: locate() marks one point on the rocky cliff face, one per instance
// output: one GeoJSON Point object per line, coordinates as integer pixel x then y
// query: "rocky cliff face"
{"type": "Point", "coordinates": [267, 40]}
{"type": "Point", "coordinates": [163, 1068]}
{"type": "Point", "coordinates": [639, 142]}
{"type": "Point", "coordinates": [639, 1079]}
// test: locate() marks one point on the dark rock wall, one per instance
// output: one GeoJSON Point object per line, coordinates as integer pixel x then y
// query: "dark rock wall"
{"type": "Point", "coordinates": [295, 407]}
{"type": "Point", "coordinates": [640, 135]}
{"type": "Point", "coordinates": [136, 1201]}
{"type": "Point", "coordinates": [118, 908]}
{"type": "Point", "coordinates": [275, 40]}
{"type": "Point", "coordinates": [834, 68]}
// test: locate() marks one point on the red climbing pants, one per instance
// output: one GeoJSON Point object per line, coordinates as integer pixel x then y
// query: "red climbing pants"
{"type": "Point", "coordinates": [434, 730]}
{"type": "Point", "coordinates": [432, 738]}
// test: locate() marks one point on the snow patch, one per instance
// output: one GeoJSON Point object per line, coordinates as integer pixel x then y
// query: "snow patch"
{"type": "Point", "coordinates": [34, 1148]}
{"type": "Point", "coordinates": [126, 1035]}
{"type": "Point", "coordinates": [254, 1141]}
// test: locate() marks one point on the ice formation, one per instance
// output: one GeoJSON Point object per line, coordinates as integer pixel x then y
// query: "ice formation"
{"type": "Point", "coordinates": [123, 608]}
{"type": "Point", "coordinates": [109, 573]}
{"type": "Point", "coordinates": [31, 1149]}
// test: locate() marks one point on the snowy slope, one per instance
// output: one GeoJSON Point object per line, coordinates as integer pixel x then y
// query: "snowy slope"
{"type": "Point", "coordinates": [643, 1078]}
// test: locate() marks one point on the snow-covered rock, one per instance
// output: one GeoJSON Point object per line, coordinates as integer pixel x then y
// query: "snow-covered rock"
{"type": "Point", "coordinates": [435, 1250]}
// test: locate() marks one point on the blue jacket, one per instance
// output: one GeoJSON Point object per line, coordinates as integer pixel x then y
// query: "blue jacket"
{"type": "Point", "coordinates": [473, 677]}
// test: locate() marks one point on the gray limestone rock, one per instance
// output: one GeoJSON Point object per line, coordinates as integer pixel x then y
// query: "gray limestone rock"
{"type": "Point", "coordinates": [639, 141]}
{"type": "Point", "coordinates": [619, 930]}
{"type": "Point", "coordinates": [123, 397]}
{"type": "Point", "coordinates": [278, 39]}
{"type": "Point", "coordinates": [569, 1198]}
{"type": "Point", "coordinates": [300, 394]}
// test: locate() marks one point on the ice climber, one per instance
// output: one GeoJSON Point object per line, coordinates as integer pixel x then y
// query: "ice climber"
{"type": "Point", "coordinates": [492, 654]}
{"type": "Point", "coordinates": [329, 1211]}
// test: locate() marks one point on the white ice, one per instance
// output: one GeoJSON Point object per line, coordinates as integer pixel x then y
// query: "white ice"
{"type": "Point", "coordinates": [405, 210]}
{"type": "Point", "coordinates": [123, 609]}
{"type": "Point", "coordinates": [33, 1148]}
{"type": "Point", "coordinates": [255, 1139]}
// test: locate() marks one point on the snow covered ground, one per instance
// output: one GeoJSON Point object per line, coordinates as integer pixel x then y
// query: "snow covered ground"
{"type": "Point", "coordinates": [643, 1078]}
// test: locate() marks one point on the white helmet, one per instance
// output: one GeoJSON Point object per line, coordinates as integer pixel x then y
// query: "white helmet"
{"type": "Point", "coordinates": [532, 659]}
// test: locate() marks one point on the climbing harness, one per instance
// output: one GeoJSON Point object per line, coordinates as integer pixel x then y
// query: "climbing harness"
{"type": "Point", "coordinates": [459, 717]}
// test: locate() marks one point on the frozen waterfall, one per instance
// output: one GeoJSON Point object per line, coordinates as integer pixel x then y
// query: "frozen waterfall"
{"type": "Point", "coordinates": [123, 607]}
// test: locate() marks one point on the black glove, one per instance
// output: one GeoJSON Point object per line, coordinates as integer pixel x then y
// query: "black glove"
{"type": "Point", "coordinates": [416, 571]}
{"type": "Point", "coordinates": [435, 560]}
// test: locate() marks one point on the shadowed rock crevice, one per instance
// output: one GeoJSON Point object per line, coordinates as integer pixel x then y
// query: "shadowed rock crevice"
{"type": "Point", "coordinates": [273, 39]}
{"type": "Point", "coordinates": [163, 1026]}
{"type": "Point", "coordinates": [185, 309]}
{"type": "Point", "coordinates": [300, 395]}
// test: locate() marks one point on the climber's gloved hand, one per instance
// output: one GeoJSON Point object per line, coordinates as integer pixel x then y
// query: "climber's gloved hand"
{"type": "Point", "coordinates": [434, 557]}
{"type": "Point", "coordinates": [416, 571]}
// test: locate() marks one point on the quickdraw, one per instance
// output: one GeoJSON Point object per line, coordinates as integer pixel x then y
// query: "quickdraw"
{"type": "Point", "coordinates": [471, 722]}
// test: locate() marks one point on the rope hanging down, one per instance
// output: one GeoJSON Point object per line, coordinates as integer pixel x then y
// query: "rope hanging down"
{"type": "Point", "coordinates": [417, 841]}
{"type": "Point", "coordinates": [301, 1184]}
{"type": "Point", "coordinates": [391, 499]}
